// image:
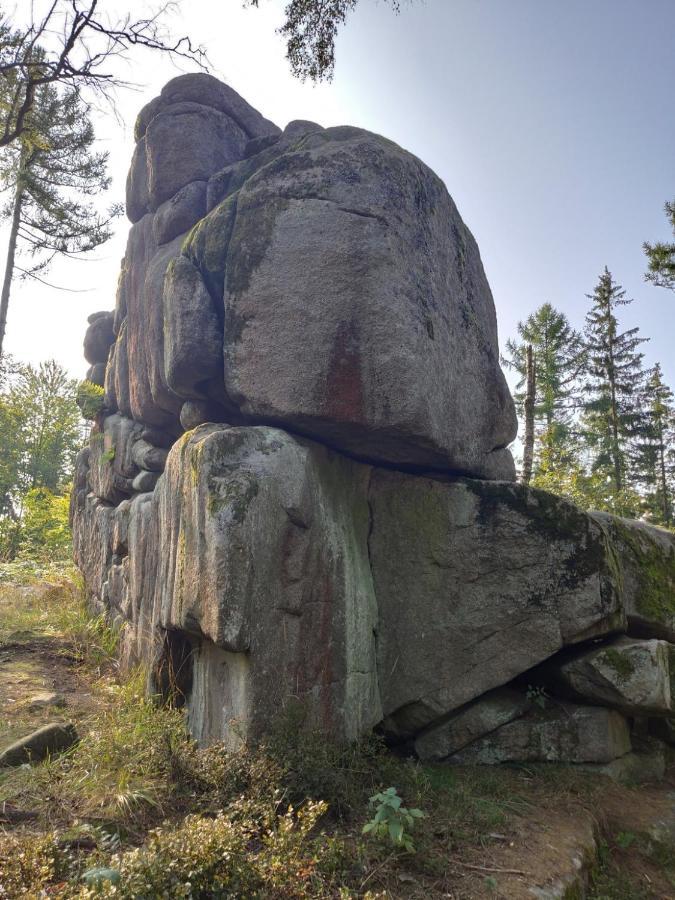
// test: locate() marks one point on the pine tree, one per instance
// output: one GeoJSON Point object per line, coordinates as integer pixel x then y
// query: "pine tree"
{"type": "Point", "coordinates": [52, 173]}
{"type": "Point", "coordinates": [612, 415]}
{"type": "Point", "coordinates": [655, 457]}
{"type": "Point", "coordinates": [661, 256]}
{"type": "Point", "coordinates": [557, 357]}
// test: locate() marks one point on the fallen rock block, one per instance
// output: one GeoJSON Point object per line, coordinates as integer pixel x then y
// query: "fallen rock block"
{"type": "Point", "coordinates": [631, 675]}
{"type": "Point", "coordinates": [477, 582]}
{"type": "Point", "coordinates": [564, 733]}
{"type": "Point", "coordinates": [470, 723]}
{"type": "Point", "coordinates": [46, 741]}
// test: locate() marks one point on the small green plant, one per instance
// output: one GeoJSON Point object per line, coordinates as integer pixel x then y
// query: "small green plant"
{"type": "Point", "coordinates": [108, 455]}
{"type": "Point", "coordinates": [89, 399]}
{"type": "Point", "coordinates": [392, 820]}
{"type": "Point", "coordinates": [624, 839]}
{"type": "Point", "coordinates": [536, 694]}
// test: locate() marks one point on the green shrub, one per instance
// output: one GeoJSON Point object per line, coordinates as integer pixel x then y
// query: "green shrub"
{"type": "Point", "coordinates": [392, 821]}
{"type": "Point", "coordinates": [89, 399]}
{"type": "Point", "coordinates": [45, 532]}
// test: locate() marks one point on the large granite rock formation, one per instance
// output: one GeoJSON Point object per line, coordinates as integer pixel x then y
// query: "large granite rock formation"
{"type": "Point", "coordinates": [299, 487]}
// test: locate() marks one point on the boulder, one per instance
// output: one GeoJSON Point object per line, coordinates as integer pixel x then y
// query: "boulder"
{"type": "Point", "coordinates": [470, 723]}
{"type": "Point", "coordinates": [99, 338]}
{"type": "Point", "coordinates": [477, 582]}
{"type": "Point", "coordinates": [646, 564]}
{"type": "Point", "coordinates": [45, 699]}
{"type": "Point", "coordinates": [51, 739]}
{"type": "Point", "coordinates": [266, 570]}
{"type": "Point", "coordinates": [96, 374]}
{"type": "Point", "coordinates": [180, 213]}
{"type": "Point", "coordinates": [628, 674]}
{"type": "Point", "coordinates": [199, 87]}
{"type": "Point", "coordinates": [145, 481]}
{"type": "Point", "coordinates": [563, 733]}
{"type": "Point", "coordinates": [112, 465]}
{"type": "Point", "coordinates": [343, 262]}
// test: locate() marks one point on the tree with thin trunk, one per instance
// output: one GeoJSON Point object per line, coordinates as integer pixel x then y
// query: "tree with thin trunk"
{"type": "Point", "coordinates": [557, 358]}
{"type": "Point", "coordinates": [655, 457]}
{"type": "Point", "coordinates": [530, 394]}
{"type": "Point", "coordinates": [52, 175]}
{"type": "Point", "coordinates": [612, 415]}
{"type": "Point", "coordinates": [74, 44]}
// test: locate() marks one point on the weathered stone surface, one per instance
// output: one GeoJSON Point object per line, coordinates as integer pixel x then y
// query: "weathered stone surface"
{"type": "Point", "coordinates": [96, 374]}
{"type": "Point", "coordinates": [46, 741]}
{"type": "Point", "coordinates": [188, 142]}
{"type": "Point", "coordinates": [633, 676]}
{"type": "Point", "coordinates": [470, 723]}
{"type": "Point", "coordinates": [181, 212]}
{"type": "Point", "coordinates": [198, 412]}
{"type": "Point", "coordinates": [267, 557]}
{"type": "Point", "coordinates": [111, 462]}
{"type": "Point", "coordinates": [476, 583]}
{"type": "Point", "coordinates": [45, 699]}
{"type": "Point", "coordinates": [99, 338]}
{"type": "Point", "coordinates": [346, 266]}
{"type": "Point", "coordinates": [142, 357]}
{"type": "Point", "coordinates": [562, 733]}
{"type": "Point", "coordinates": [646, 562]}
{"type": "Point", "coordinates": [193, 332]}
{"type": "Point", "coordinates": [198, 87]}
{"type": "Point", "coordinates": [196, 126]}
{"type": "Point", "coordinates": [145, 481]}
{"type": "Point", "coordinates": [322, 281]}
{"type": "Point", "coordinates": [637, 767]}
{"type": "Point", "coordinates": [145, 456]}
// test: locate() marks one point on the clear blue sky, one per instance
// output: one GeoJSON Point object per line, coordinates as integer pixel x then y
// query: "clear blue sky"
{"type": "Point", "coordinates": [552, 122]}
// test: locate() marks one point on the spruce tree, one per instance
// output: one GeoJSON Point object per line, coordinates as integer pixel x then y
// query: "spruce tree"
{"type": "Point", "coordinates": [52, 173]}
{"type": "Point", "coordinates": [557, 353]}
{"type": "Point", "coordinates": [655, 457]}
{"type": "Point", "coordinates": [661, 256]}
{"type": "Point", "coordinates": [612, 413]}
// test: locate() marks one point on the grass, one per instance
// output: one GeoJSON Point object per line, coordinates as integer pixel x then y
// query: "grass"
{"type": "Point", "coordinates": [136, 799]}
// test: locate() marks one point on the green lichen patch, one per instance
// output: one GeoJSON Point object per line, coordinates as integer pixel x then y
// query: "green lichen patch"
{"type": "Point", "coordinates": [621, 663]}
{"type": "Point", "coordinates": [206, 246]}
{"type": "Point", "coordinates": [649, 568]}
{"type": "Point", "coordinates": [233, 494]}
{"type": "Point", "coordinates": [250, 241]}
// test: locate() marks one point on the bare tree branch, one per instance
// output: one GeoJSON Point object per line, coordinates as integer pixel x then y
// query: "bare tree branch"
{"type": "Point", "coordinates": [75, 43]}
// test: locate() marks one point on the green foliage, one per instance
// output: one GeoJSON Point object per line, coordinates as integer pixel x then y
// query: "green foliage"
{"type": "Point", "coordinates": [39, 438]}
{"type": "Point", "coordinates": [90, 399]}
{"type": "Point", "coordinates": [661, 256]}
{"type": "Point", "coordinates": [53, 172]}
{"type": "Point", "coordinates": [45, 533]}
{"type": "Point", "coordinates": [392, 821]}
{"type": "Point", "coordinates": [605, 427]}
{"type": "Point", "coordinates": [310, 29]}
{"type": "Point", "coordinates": [612, 415]}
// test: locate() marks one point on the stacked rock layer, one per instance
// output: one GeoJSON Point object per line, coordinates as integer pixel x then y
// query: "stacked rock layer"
{"type": "Point", "coordinates": [299, 489]}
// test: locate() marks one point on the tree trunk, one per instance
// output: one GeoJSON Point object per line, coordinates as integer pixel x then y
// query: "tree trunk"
{"type": "Point", "coordinates": [9, 264]}
{"type": "Point", "coordinates": [528, 446]}
{"type": "Point", "coordinates": [665, 499]}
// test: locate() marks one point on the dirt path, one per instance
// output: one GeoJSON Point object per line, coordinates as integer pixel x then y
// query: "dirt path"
{"type": "Point", "coordinates": [558, 823]}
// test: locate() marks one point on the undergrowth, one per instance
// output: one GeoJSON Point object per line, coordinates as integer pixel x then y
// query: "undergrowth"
{"type": "Point", "coordinates": [137, 810]}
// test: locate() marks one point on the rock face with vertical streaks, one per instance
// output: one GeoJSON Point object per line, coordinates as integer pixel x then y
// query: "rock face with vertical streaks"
{"type": "Point", "coordinates": [299, 489]}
